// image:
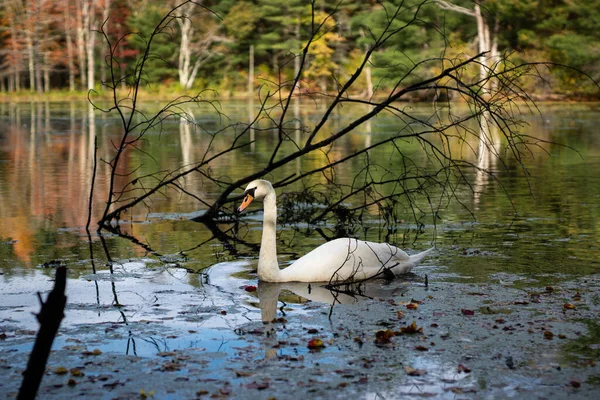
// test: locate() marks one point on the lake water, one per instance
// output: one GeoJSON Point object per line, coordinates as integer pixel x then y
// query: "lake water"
{"type": "Point", "coordinates": [531, 230]}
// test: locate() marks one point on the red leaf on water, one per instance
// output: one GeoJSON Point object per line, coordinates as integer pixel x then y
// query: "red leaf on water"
{"type": "Point", "coordinates": [464, 311]}
{"type": "Point", "coordinates": [250, 288]}
{"type": "Point", "coordinates": [315, 344]}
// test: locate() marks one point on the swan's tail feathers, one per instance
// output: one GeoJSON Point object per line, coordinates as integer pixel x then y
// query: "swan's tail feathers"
{"type": "Point", "coordinates": [407, 264]}
{"type": "Point", "coordinates": [415, 259]}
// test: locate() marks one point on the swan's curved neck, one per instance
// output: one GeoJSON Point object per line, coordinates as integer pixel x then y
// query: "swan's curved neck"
{"type": "Point", "coordinates": [268, 268]}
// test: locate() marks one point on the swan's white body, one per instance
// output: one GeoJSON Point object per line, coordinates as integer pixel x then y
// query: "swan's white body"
{"type": "Point", "coordinates": [344, 259]}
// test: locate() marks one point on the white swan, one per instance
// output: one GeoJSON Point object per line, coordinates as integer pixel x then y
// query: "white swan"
{"type": "Point", "coordinates": [344, 259]}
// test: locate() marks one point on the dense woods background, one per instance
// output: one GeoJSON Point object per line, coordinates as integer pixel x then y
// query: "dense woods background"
{"type": "Point", "coordinates": [232, 46]}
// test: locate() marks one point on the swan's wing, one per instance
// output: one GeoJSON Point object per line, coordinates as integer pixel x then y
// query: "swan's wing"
{"type": "Point", "coordinates": [343, 259]}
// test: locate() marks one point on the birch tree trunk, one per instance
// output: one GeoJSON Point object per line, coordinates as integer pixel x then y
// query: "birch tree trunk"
{"type": "Point", "coordinates": [297, 59]}
{"type": "Point", "coordinates": [16, 68]}
{"type": "Point", "coordinates": [91, 41]}
{"type": "Point", "coordinates": [81, 35]}
{"type": "Point", "coordinates": [486, 42]}
{"type": "Point", "coordinates": [70, 50]}
{"type": "Point", "coordinates": [251, 70]}
{"type": "Point", "coordinates": [105, 21]}
{"type": "Point", "coordinates": [30, 62]}
{"type": "Point", "coordinates": [185, 51]}
{"type": "Point", "coordinates": [194, 47]}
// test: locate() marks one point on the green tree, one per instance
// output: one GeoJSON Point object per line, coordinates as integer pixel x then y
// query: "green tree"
{"type": "Point", "coordinates": [159, 66]}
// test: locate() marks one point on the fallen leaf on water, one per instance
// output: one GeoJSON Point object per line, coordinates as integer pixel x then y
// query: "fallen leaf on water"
{"type": "Point", "coordinates": [258, 385]}
{"type": "Point", "coordinates": [414, 372]}
{"type": "Point", "coordinates": [464, 311]}
{"type": "Point", "coordinates": [412, 306]}
{"type": "Point", "coordinates": [459, 390]}
{"type": "Point", "coordinates": [71, 382]}
{"type": "Point", "coordinates": [569, 306]}
{"type": "Point", "coordinates": [145, 394]}
{"type": "Point", "coordinates": [577, 297]}
{"type": "Point", "coordinates": [60, 370]}
{"type": "Point", "coordinates": [412, 328]}
{"type": "Point", "coordinates": [575, 383]}
{"type": "Point", "coordinates": [399, 314]}
{"type": "Point", "coordinates": [76, 372]}
{"type": "Point", "coordinates": [170, 366]}
{"type": "Point", "coordinates": [549, 289]}
{"type": "Point", "coordinates": [315, 344]}
{"type": "Point", "coordinates": [421, 348]}
{"type": "Point", "coordinates": [548, 335]}
{"type": "Point", "coordinates": [383, 337]}
{"type": "Point", "coordinates": [242, 373]}
{"type": "Point", "coordinates": [166, 354]}
{"type": "Point", "coordinates": [250, 288]}
{"type": "Point", "coordinates": [462, 368]}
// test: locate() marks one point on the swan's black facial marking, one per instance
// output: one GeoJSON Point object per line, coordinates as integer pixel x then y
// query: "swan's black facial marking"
{"type": "Point", "coordinates": [250, 192]}
{"type": "Point", "coordinates": [248, 197]}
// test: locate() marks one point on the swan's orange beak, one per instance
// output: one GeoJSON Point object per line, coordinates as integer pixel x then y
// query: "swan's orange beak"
{"type": "Point", "coordinates": [247, 200]}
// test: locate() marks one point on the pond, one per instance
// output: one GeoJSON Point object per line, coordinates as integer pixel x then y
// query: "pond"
{"type": "Point", "coordinates": [176, 286]}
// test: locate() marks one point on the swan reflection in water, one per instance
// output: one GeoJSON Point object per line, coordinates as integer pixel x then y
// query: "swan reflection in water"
{"type": "Point", "coordinates": [269, 294]}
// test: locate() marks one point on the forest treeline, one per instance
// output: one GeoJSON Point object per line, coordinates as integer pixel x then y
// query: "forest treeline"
{"type": "Point", "coordinates": [232, 46]}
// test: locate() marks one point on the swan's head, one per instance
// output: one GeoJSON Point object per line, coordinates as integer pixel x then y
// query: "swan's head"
{"type": "Point", "coordinates": [256, 190]}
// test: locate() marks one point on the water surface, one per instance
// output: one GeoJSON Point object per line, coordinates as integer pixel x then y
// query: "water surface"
{"type": "Point", "coordinates": [532, 228]}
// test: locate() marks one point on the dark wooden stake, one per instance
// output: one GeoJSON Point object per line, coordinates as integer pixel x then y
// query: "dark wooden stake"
{"type": "Point", "coordinates": [50, 316]}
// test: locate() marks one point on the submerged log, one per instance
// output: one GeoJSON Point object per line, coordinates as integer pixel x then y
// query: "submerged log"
{"type": "Point", "coordinates": [50, 316]}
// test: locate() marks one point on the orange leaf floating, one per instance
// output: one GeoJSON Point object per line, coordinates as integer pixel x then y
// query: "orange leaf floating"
{"type": "Point", "coordinates": [569, 306]}
{"type": "Point", "coordinates": [315, 344]}
{"type": "Point", "coordinates": [383, 337]}
{"type": "Point", "coordinates": [548, 335]}
{"type": "Point", "coordinates": [412, 306]}
{"type": "Point", "coordinates": [412, 328]}
{"type": "Point", "coordinates": [60, 370]}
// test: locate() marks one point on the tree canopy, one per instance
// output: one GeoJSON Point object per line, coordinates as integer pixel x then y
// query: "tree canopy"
{"type": "Point", "coordinates": [47, 45]}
